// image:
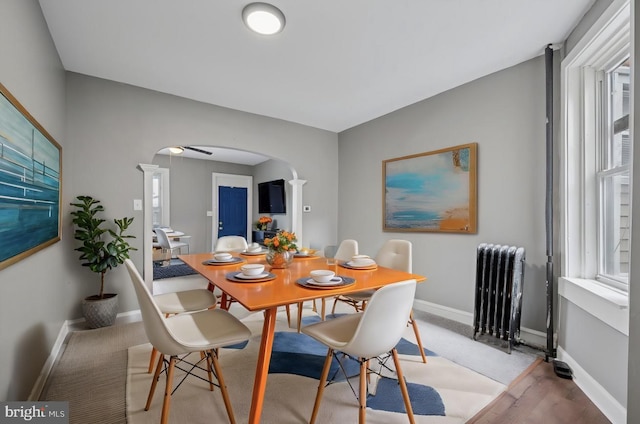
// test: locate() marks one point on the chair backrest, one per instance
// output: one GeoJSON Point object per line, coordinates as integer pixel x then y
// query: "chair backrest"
{"type": "Point", "coordinates": [383, 321]}
{"type": "Point", "coordinates": [231, 244]}
{"type": "Point", "coordinates": [346, 250]}
{"type": "Point", "coordinates": [163, 239]}
{"type": "Point", "coordinates": [153, 320]}
{"type": "Point", "coordinates": [395, 254]}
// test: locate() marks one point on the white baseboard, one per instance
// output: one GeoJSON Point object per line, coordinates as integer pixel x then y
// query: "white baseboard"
{"type": "Point", "coordinates": [610, 407]}
{"type": "Point", "coordinates": [529, 336]}
{"type": "Point", "coordinates": [68, 326]}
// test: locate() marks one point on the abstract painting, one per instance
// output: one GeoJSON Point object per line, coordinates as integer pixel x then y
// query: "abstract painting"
{"type": "Point", "coordinates": [30, 182]}
{"type": "Point", "coordinates": [433, 191]}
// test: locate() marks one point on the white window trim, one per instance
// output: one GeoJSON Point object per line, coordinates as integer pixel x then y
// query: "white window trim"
{"type": "Point", "coordinates": [578, 217]}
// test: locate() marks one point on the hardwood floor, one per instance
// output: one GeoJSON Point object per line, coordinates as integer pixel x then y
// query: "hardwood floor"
{"type": "Point", "coordinates": [539, 396]}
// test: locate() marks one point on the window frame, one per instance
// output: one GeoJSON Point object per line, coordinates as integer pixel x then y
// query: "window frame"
{"type": "Point", "coordinates": [582, 70]}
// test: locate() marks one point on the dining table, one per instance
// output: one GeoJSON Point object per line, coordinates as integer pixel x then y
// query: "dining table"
{"type": "Point", "coordinates": [283, 287]}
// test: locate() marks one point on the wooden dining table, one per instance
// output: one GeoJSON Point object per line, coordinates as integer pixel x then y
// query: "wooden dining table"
{"type": "Point", "coordinates": [283, 290]}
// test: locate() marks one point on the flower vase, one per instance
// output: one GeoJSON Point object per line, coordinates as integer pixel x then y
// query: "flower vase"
{"type": "Point", "coordinates": [279, 259]}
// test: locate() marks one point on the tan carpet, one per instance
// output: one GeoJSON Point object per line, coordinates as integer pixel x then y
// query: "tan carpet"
{"type": "Point", "coordinates": [289, 397]}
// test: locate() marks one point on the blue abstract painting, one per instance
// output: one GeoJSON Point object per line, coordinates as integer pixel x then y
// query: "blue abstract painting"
{"type": "Point", "coordinates": [30, 177]}
{"type": "Point", "coordinates": [434, 191]}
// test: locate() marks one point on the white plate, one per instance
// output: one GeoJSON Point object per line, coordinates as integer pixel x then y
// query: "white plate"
{"type": "Point", "coordinates": [368, 264]}
{"type": "Point", "coordinates": [251, 277]}
{"type": "Point", "coordinates": [333, 282]}
{"type": "Point", "coordinates": [254, 252]}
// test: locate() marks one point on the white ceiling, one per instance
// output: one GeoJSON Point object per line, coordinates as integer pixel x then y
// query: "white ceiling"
{"type": "Point", "coordinates": [337, 64]}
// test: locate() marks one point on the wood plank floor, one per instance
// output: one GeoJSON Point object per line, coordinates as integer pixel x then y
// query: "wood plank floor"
{"type": "Point", "coordinates": [539, 396]}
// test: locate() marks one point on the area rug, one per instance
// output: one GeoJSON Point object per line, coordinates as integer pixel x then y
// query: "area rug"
{"type": "Point", "coordinates": [175, 268]}
{"type": "Point", "coordinates": [440, 391]}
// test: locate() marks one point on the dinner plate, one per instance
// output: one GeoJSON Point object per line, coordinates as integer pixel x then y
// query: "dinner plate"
{"type": "Point", "coordinates": [231, 261]}
{"type": "Point", "coordinates": [239, 277]}
{"type": "Point", "coordinates": [303, 255]}
{"type": "Point", "coordinates": [312, 284]}
{"type": "Point", "coordinates": [349, 265]}
{"type": "Point", "coordinates": [257, 252]}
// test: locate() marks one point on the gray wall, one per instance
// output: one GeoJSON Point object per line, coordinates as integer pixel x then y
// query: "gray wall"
{"type": "Point", "coordinates": [36, 294]}
{"type": "Point", "coordinates": [505, 114]}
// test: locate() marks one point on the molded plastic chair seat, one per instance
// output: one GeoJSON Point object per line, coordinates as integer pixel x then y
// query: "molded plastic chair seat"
{"type": "Point", "coordinates": [204, 331]}
{"type": "Point", "coordinates": [167, 244]}
{"type": "Point", "coordinates": [367, 335]}
{"type": "Point", "coordinates": [395, 254]}
{"type": "Point", "coordinates": [231, 244]}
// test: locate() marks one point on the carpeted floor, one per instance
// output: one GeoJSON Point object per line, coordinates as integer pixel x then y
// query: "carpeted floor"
{"type": "Point", "coordinates": [441, 391]}
{"type": "Point", "coordinates": [91, 373]}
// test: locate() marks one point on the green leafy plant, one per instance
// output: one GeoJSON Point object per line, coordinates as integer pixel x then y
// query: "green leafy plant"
{"type": "Point", "coordinates": [102, 248]}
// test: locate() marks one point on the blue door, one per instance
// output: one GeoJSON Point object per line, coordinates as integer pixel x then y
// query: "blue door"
{"type": "Point", "coordinates": [232, 211]}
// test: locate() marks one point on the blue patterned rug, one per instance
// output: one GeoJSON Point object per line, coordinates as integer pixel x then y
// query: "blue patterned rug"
{"type": "Point", "coordinates": [176, 268]}
{"type": "Point", "coordinates": [440, 391]}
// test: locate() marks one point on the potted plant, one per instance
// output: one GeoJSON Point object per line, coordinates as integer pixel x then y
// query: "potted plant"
{"type": "Point", "coordinates": [102, 249]}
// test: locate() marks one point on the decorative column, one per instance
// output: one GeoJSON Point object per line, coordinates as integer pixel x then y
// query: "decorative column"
{"type": "Point", "coordinates": [147, 222]}
{"type": "Point", "coordinates": [296, 206]}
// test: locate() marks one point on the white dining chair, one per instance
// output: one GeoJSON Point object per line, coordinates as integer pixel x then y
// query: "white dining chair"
{"type": "Point", "coordinates": [231, 244]}
{"type": "Point", "coordinates": [181, 334]}
{"type": "Point", "coordinates": [166, 243]}
{"type": "Point", "coordinates": [179, 303]}
{"type": "Point", "coordinates": [394, 254]}
{"type": "Point", "coordinates": [367, 335]}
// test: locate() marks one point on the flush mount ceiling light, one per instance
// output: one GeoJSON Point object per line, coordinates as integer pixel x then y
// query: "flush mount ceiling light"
{"type": "Point", "coordinates": [176, 150]}
{"type": "Point", "coordinates": [263, 18]}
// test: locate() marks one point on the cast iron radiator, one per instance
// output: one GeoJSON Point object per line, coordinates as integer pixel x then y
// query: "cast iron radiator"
{"type": "Point", "coordinates": [498, 297]}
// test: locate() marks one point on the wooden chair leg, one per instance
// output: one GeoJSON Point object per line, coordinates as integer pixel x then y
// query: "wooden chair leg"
{"type": "Point", "coordinates": [403, 386]}
{"type": "Point", "coordinates": [167, 391]}
{"type": "Point", "coordinates": [321, 384]}
{"type": "Point", "coordinates": [300, 315]}
{"type": "Point", "coordinates": [205, 355]}
{"type": "Point", "coordinates": [152, 360]}
{"type": "Point", "coordinates": [416, 331]}
{"type": "Point", "coordinates": [154, 382]}
{"type": "Point", "coordinates": [362, 415]}
{"type": "Point", "coordinates": [324, 308]}
{"type": "Point", "coordinates": [223, 387]}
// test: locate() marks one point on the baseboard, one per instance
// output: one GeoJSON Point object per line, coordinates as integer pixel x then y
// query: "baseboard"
{"type": "Point", "coordinates": [68, 326]}
{"type": "Point", "coordinates": [610, 407]}
{"type": "Point", "coordinates": [37, 388]}
{"type": "Point", "coordinates": [533, 338]}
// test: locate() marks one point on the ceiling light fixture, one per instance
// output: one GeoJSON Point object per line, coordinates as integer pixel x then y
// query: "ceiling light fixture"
{"type": "Point", "coordinates": [176, 150]}
{"type": "Point", "coordinates": [263, 18]}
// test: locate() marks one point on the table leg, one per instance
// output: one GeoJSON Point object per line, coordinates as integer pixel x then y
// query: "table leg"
{"type": "Point", "coordinates": [262, 369]}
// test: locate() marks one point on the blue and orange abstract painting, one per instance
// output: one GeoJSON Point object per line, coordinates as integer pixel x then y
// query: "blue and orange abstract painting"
{"type": "Point", "coordinates": [434, 191]}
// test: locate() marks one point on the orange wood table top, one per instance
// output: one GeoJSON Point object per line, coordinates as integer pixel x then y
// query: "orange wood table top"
{"type": "Point", "coordinates": [282, 291]}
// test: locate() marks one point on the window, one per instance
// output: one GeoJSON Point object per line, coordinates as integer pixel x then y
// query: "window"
{"type": "Point", "coordinates": [613, 176]}
{"type": "Point", "coordinates": [596, 156]}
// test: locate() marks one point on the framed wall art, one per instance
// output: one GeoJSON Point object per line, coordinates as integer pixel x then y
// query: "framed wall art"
{"type": "Point", "coordinates": [432, 191]}
{"type": "Point", "coordinates": [30, 183]}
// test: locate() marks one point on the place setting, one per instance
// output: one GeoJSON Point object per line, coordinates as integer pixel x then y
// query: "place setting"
{"type": "Point", "coordinates": [325, 279]}
{"type": "Point", "coordinates": [250, 273]}
{"type": "Point", "coordinates": [223, 258]}
{"type": "Point", "coordinates": [305, 253]}
{"type": "Point", "coordinates": [254, 249]}
{"type": "Point", "coordinates": [362, 262]}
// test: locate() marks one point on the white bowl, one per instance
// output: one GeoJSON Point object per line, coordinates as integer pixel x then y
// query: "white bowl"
{"type": "Point", "coordinates": [252, 269]}
{"type": "Point", "coordinates": [322, 275]}
{"type": "Point", "coordinates": [223, 256]}
{"type": "Point", "coordinates": [254, 247]}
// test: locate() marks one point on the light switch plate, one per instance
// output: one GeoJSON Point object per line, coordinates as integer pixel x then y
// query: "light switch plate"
{"type": "Point", "coordinates": [137, 204]}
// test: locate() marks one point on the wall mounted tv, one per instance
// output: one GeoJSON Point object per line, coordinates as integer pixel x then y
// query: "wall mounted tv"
{"type": "Point", "coordinates": [271, 197]}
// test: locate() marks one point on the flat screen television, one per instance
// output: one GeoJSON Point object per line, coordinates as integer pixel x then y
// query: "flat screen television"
{"type": "Point", "coordinates": [271, 197]}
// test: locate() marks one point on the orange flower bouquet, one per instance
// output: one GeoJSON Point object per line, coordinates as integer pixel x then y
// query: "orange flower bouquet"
{"type": "Point", "coordinates": [280, 249]}
{"type": "Point", "coordinates": [262, 223]}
